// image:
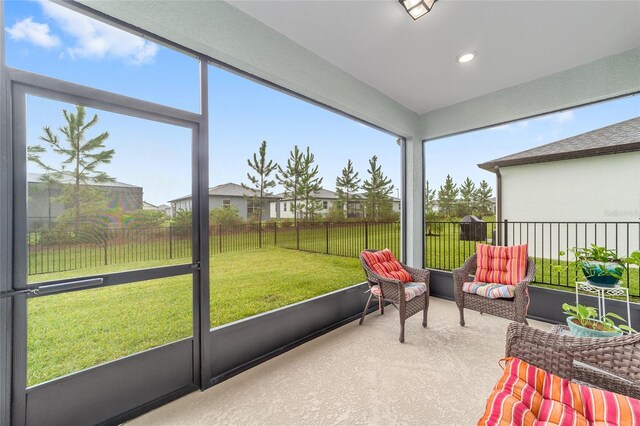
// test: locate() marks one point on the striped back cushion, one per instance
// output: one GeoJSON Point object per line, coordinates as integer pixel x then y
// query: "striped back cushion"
{"type": "Point", "coordinates": [385, 264]}
{"type": "Point", "coordinates": [527, 395]}
{"type": "Point", "coordinates": [501, 265]}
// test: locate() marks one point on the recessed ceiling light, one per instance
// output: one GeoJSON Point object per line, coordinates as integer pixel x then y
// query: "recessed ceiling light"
{"type": "Point", "coordinates": [465, 57]}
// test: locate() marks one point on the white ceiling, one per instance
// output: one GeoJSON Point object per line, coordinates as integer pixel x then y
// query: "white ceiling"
{"type": "Point", "coordinates": [413, 62]}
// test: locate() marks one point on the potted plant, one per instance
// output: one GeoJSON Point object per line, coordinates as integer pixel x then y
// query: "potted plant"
{"type": "Point", "coordinates": [601, 266]}
{"type": "Point", "coordinates": [583, 322]}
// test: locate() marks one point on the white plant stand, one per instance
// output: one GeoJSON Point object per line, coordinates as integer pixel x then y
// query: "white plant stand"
{"type": "Point", "coordinates": [602, 293]}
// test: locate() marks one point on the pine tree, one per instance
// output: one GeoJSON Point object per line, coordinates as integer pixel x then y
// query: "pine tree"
{"type": "Point", "coordinates": [347, 184]}
{"type": "Point", "coordinates": [310, 183]}
{"type": "Point", "coordinates": [80, 161]}
{"type": "Point", "coordinates": [467, 196]}
{"type": "Point", "coordinates": [377, 191]}
{"type": "Point", "coordinates": [289, 178]}
{"type": "Point", "coordinates": [447, 196]}
{"type": "Point", "coordinates": [260, 182]}
{"type": "Point", "coordinates": [482, 198]}
{"type": "Point", "coordinates": [429, 197]}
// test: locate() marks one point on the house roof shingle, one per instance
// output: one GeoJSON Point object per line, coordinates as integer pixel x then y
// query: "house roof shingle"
{"type": "Point", "coordinates": [614, 139]}
{"type": "Point", "coordinates": [229, 189]}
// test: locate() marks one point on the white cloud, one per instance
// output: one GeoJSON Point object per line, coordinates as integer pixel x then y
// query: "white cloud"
{"type": "Point", "coordinates": [33, 32]}
{"type": "Point", "coordinates": [95, 39]}
{"type": "Point", "coordinates": [562, 117]}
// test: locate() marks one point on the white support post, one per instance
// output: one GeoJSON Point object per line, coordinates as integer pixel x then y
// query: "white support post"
{"type": "Point", "coordinates": [413, 202]}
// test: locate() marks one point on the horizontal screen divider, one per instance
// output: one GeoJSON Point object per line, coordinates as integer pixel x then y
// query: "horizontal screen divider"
{"type": "Point", "coordinates": [107, 280]}
{"type": "Point", "coordinates": [65, 91]}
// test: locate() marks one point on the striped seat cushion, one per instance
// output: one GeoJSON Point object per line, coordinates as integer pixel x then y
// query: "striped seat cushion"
{"type": "Point", "coordinates": [411, 290]}
{"type": "Point", "coordinates": [527, 395]}
{"type": "Point", "coordinates": [490, 290]}
{"type": "Point", "coordinates": [501, 265]}
{"type": "Point", "coordinates": [384, 263]}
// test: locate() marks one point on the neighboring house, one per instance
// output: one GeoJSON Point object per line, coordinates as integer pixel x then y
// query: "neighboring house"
{"type": "Point", "coordinates": [591, 177]}
{"type": "Point", "coordinates": [161, 208]}
{"type": "Point", "coordinates": [44, 207]}
{"type": "Point", "coordinates": [357, 205]}
{"type": "Point", "coordinates": [165, 208]}
{"type": "Point", "coordinates": [282, 207]}
{"type": "Point", "coordinates": [225, 196]}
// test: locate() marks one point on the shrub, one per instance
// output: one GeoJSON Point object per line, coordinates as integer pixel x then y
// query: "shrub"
{"type": "Point", "coordinates": [225, 216]}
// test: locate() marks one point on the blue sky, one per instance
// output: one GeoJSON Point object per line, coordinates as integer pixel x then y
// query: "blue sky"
{"type": "Point", "coordinates": [49, 39]}
{"type": "Point", "coordinates": [468, 150]}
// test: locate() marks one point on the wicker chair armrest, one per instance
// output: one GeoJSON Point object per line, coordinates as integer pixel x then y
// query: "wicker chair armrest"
{"type": "Point", "coordinates": [391, 289]}
{"type": "Point", "coordinates": [470, 265]}
{"type": "Point", "coordinates": [607, 363]}
{"type": "Point", "coordinates": [531, 275]}
{"type": "Point", "coordinates": [463, 273]}
{"type": "Point", "coordinates": [539, 348]}
{"type": "Point", "coordinates": [417, 274]}
{"type": "Point", "coordinates": [616, 355]}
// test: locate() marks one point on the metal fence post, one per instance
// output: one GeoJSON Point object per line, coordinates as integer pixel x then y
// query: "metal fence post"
{"type": "Point", "coordinates": [275, 234]}
{"type": "Point", "coordinates": [170, 242]}
{"type": "Point", "coordinates": [506, 233]}
{"type": "Point", "coordinates": [105, 252]}
{"type": "Point", "coordinates": [327, 235]}
{"type": "Point", "coordinates": [220, 237]}
{"type": "Point", "coordinates": [366, 234]}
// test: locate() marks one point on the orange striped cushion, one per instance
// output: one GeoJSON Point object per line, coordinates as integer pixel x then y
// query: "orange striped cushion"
{"type": "Point", "coordinates": [502, 265]}
{"type": "Point", "coordinates": [527, 395]}
{"type": "Point", "coordinates": [385, 264]}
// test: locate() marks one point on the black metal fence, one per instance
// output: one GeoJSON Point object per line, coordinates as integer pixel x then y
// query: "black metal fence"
{"type": "Point", "coordinates": [59, 251]}
{"type": "Point", "coordinates": [447, 246]}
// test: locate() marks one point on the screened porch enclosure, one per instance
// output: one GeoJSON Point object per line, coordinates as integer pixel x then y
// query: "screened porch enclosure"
{"type": "Point", "coordinates": [111, 307]}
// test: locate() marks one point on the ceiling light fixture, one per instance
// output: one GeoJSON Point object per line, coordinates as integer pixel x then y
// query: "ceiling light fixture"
{"type": "Point", "coordinates": [417, 8]}
{"type": "Point", "coordinates": [465, 57]}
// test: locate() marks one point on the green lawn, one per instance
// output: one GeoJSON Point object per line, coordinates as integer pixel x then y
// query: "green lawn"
{"type": "Point", "coordinates": [74, 331]}
{"type": "Point", "coordinates": [447, 252]}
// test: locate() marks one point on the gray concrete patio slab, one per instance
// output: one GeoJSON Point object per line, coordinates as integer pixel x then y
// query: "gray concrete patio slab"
{"type": "Point", "coordinates": [362, 375]}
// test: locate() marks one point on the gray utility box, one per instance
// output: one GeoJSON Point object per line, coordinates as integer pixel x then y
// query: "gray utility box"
{"type": "Point", "coordinates": [472, 229]}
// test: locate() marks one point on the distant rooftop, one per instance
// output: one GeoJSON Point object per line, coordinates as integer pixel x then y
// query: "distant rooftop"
{"type": "Point", "coordinates": [229, 189]}
{"type": "Point", "coordinates": [322, 193]}
{"type": "Point", "coordinates": [614, 139]}
{"type": "Point", "coordinates": [68, 179]}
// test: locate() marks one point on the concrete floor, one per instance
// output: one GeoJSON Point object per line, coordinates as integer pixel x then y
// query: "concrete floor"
{"type": "Point", "coordinates": [358, 375]}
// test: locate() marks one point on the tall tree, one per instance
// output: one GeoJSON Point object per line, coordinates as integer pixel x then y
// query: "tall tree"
{"type": "Point", "coordinates": [289, 178]}
{"type": "Point", "coordinates": [467, 196]}
{"type": "Point", "coordinates": [447, 196]}
{"type": "Point", "coordinates": [310, 183]}
{"type": "Point", "coordinates": [483, 198]}
{"type": "Point", "coordinates": [377, 191]}
{"type": "Point", "coordinates": [347, 184]}
{"type": "Point", "coordinates": [260, 181]}
{"type": "Point", "coordinates": [81, 159]}
{"type": "Point", "coordinates": [429, 197]}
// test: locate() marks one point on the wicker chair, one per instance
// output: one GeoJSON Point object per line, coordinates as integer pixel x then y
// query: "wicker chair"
{"type": "Point", "coordinates": [611, 363]}
{"type": "Point", "coordinates": [393, 291]}
{"type": "Point", "coordinates": [514, 309]}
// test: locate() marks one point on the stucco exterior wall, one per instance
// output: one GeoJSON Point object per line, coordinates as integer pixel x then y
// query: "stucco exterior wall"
{"type": "Point", "coordinates": [277, 209]}
{"type": "Point", "coordinates": [595, 189]}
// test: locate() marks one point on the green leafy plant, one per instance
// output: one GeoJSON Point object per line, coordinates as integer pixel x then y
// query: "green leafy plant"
{"type": "Point", "coordinates": [583, 256]}
{"type": "Point", "coordinates": [587, 316]}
